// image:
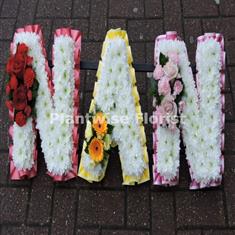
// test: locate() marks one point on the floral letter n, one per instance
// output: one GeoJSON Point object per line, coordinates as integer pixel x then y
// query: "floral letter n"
{"type": "Point", "coordinates": [197, 109]}
{"type": "Point", "coordinates": [34, 97]}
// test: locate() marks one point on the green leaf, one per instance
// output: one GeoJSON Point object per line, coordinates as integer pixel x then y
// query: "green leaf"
{"type": "Point", "coordinates": [35, 85]}
{"type": "Point", "coordinates": [153, 87]}
{"type": "Point", "coordinates": [10, 96]}
{"type": "Point", "coordinates": [154, 91]}
{"type": "Point", "coordinates": [34, 94]}
{"type": "Point", "coordinates": [34, 113]}
{"type": "Point", "coordinates": [97, 109]}
{"type": "Point", "coordinates": [8, 78]}
{"type": "Point", "coordinates": [163, 59]}
{"type": "Point", "coordinates": [161, 97]}
{"type": "Point", "coordinates": [110, 129]}
{"type": "Point", "coordinates": [106, 154]}
{"type": "Point", "coordinates": [86, 149]}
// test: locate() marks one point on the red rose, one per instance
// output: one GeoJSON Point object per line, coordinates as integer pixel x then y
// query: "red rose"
{"type": "Point", "coordinates": [27, 110]}
{"type": "Point", "coordinates": [29, 60]}
{"type": "Point", "coordinates": [9, 65]}
{"type": "Point", "coordinates": [29, 95]}
{"type": "Point", "coordinates": [13, 82]}
{"type": "Point", "coordinates": [16, 64]}
{"type": "Point", "coordinates": [9, 105]}
{"type": "Point", "coordinates": [20, 119]}
{"type": "Point", "coordinates": [20, 98]}
{"type": "Point", "coordinates": [22, 49]}
{"type": "Point", "coordinates": [29, 76]}
{"type": "Point", "coordinates": [8, 89]}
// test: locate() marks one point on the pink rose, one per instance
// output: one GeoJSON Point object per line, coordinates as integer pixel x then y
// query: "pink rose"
{"type": "Point", "coordinates": [178, 87]}
{"type": "Point", "coordinates": [172, 125]}
{"type": "Point", "coordinates": [174, 57]}
{"type": "Point", "coordinates": [164, 86]}
{"type": "Point", "coordinates": [171, 70]}
{"type": "Point", "coordinates": [169, 106]}
{"type": "Point", "coordinates": [181, 106]}
{"type": "Point", "coordinates": [160, 115]}
{"type": "Point", "coordinates": [158, 72]}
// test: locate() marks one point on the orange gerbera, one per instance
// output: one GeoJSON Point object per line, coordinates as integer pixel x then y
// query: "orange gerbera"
{"type": "Point", "coordinates": [96, 150]}
{"type": "Point", "coordinates": [100, 124]}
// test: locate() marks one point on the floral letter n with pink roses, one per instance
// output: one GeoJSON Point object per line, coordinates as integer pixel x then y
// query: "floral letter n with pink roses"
{"type": "Point", "coordinates": [197, 110]}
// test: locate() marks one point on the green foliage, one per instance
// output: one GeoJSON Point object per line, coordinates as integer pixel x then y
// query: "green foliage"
{"type": "Point", "coordinates": [163, 59]}
{"type": "Point", "coordinates": [154, 91]}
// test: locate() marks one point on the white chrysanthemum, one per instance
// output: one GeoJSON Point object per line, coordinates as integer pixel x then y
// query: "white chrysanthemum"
{"type": "Point", "coordinates": [23, 139]}
{"type": "Point", "coordinates": [168, 152]}
{"type": "Point", "coordinates": [90, 166]}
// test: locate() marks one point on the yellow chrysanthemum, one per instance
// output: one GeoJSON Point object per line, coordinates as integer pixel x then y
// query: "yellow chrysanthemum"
{"type": "Point", "coordinates": [100, 124]}
{"type": "Point", "coordinates": [96, 150]}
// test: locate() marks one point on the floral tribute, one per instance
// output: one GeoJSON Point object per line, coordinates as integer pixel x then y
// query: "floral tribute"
{"type": "Point", "coordinates": [22, 85]}
{"type": "Point", "coordinates": [57, 95]}
{"type": "Point", "coordinates": [201, 114]}
{"type": "Point", "coordinates": [116, 96]}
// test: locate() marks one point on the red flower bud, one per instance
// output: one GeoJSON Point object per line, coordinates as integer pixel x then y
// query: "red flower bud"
{"type": "Point", "coordinates": [8, 89]}
{"type": "Point", "coordinates": [29, 95]}
{"type": "Point", "coordinates": [9, 105]}
{"type": "Point", "coordinates": [13, 82]}
{"type": "Point", "coordinates": [27, 110]}
{"type": "Point", "coordinates": [29, 61]}
{"type": "Point", "coordinates": [20, 119]}
{"type": "Point", "coordinates": [20, 98]}
{"type": "Point", "coordinates": [29, 76]}
{"type": "Point", "coordinates": [22, 48]}
{"type": "Point", "coordinates": [16, 65]}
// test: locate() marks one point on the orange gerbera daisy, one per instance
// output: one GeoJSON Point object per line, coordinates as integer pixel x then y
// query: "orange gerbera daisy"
{"type": "Point", "coordinates": [96, 150]}
{"type": "Point", "coordinates": [100, 124]}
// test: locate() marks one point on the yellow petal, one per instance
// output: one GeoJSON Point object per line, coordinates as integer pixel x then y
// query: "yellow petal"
{"type": "Point", "coordinates": [142, 134]}
{"type": "Point", "coordinates": [135, 94]}
{"type": "Point", "coordinates": [99, 69]}
{"type": "Point", "coordinates": [95, 89]}
{"type": "Point", "coordinates": [129, 55]}
{"type": "Point", "coordinates": [132, 74]}
{"type": "Point", "coordinates": [139, 113]}
{"type": "Point", "coordinates": [92, 106]}
{"type": "Point", "coordinates": [88, 132]}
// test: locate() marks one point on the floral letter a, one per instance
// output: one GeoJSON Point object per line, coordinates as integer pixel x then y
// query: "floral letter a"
{"type": "Point", "coordinates": [115, 116]}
